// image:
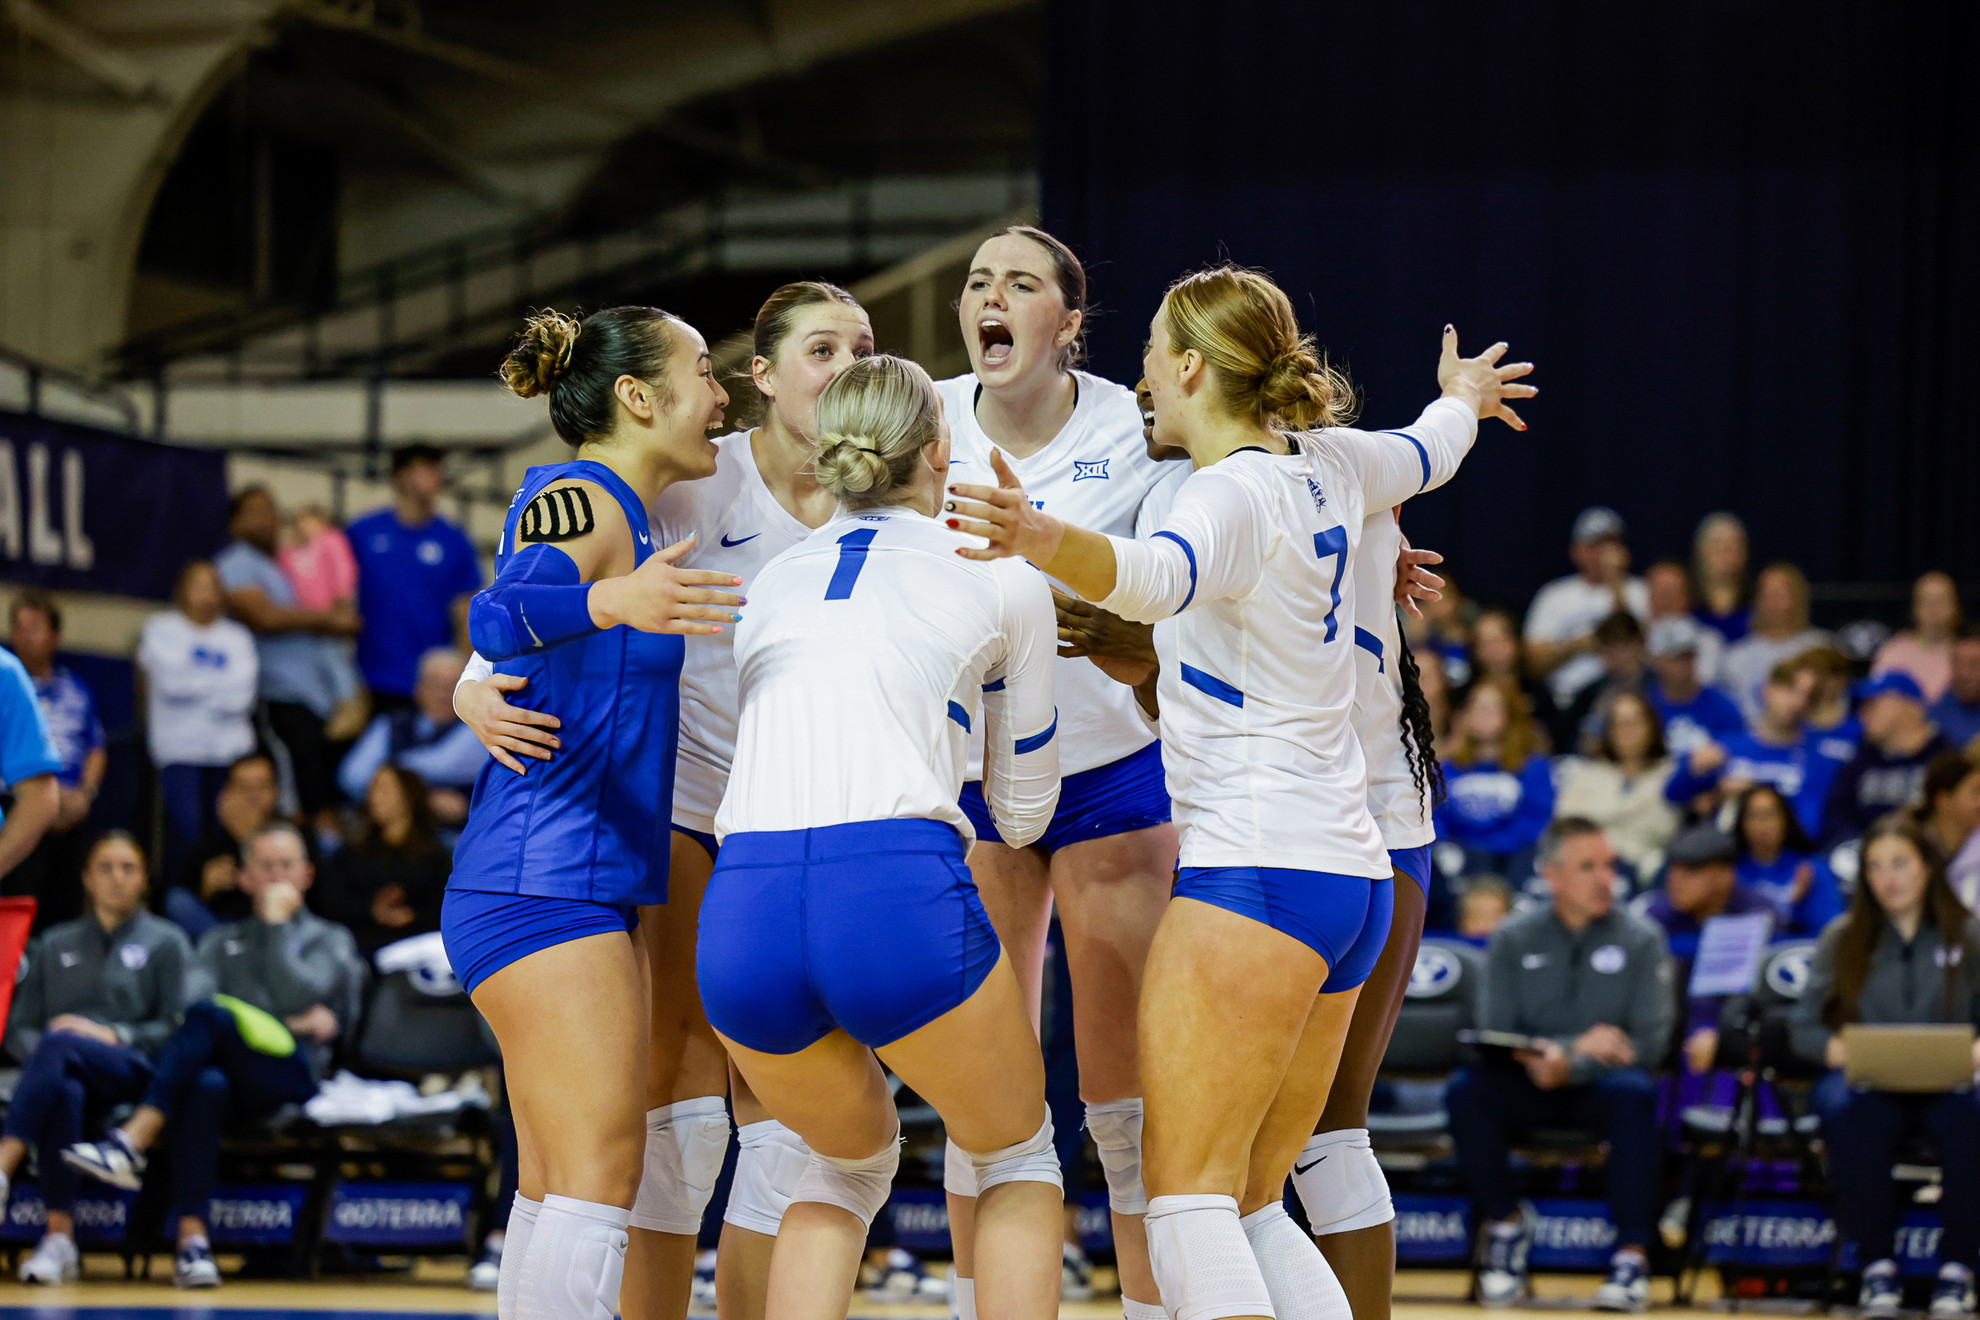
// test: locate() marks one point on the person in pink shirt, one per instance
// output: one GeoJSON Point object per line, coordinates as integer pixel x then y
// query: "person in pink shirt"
{"type": "Point", "coordinates": [1924, 650]}
{"type": "Point", "coordinates": [316, 557]}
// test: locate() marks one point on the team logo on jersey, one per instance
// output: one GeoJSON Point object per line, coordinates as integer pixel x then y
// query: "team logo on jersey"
{"type": "Point", "coordinates": [134, 956]}
{"type": "Point", "coordinates": [1609, 959]}
{"type": "Point", "coordinates": [1319, 496]}
{"type": "Point", "coordinates": [1094, 471]}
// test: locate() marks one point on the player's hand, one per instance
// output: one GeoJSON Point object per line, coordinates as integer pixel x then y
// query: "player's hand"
{"type": "Point", "coordinates": [1086, 629]}
{"type": "Point", "coordinates": [657, 597]}
{"type": "Point", "coordinates": [506, 731]}
{"type": "Point", "coordinates": [1414, 581]}
{"type": "Point", "coordinates": [1002, 516]}
{"type": "Point", "coordinates": [1481, 383]}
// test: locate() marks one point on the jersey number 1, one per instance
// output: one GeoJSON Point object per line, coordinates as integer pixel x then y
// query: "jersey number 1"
{"type": "Point", "coordinates": [852, 558]}
{"type": "Point", "coordinates": [1333, 542]}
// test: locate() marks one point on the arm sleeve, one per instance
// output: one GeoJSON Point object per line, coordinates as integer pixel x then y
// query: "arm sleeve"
{"type": "Point", "coordinates": [29, 1015]}
{"type": "Point", "coordinates": [1020, 715]}
{"type": "Point", "coordinates": [537, 602]}
{"type": "Point", "coordinates": [1807, 1032]}
{"type": "Point", "coordinates": [169, 963]}
{"type": "Point", "coordinates": [1394, 465]}
{"type": "Point", "coordinates": [1212, 545]}
{"type": "Point", "coordinates": [364, 758]}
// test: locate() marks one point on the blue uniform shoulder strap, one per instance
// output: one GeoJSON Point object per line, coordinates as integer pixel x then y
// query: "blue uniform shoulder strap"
{"type": "Point", "coordinates": [579, 469]}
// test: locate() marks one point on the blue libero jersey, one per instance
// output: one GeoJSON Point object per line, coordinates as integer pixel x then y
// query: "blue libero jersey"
{"type": "Point", "coordinates": [592, 822]}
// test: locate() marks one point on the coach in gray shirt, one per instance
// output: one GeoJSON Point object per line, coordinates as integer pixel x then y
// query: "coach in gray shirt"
{"type": "Point", "coordinates": [1593, 984]}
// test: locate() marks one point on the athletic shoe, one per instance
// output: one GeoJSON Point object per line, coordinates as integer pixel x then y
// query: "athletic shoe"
{"type": "Point", "coordinates": [1953, 1295]}
{"type": "Point", "coordinates": [485, 1275]}
{"type": "Point", "coordinates": [112, 1160]}
{"type": "Point", "coordinates": [704, 1278]}
{"type": "Point", "coordinates": [904, 1277]}
{"type": "Point", "coordinates": [1883, 1295]}
{"type": "Point", "coordinates": [55, 1260]}
{"type": "Point", "coordinates": [194, 1266]}
{"type": "Point", "coordinates": [1628, 1286]}
{"type": "Point", "coordinates": [1502, 1259]}
{"type": "Point", "coordinates": [1075, 1274]}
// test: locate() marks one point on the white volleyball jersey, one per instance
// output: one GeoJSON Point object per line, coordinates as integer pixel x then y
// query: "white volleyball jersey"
{"type": "Point", "coordinates": [741, 527]}
{"type": "Point", "coordinates": [1250, 578]}
{"type": "Point", "coordinates": [1402, 812]}
{"type": "Point", "coordinates": [866, 657]}
{"type": "Point", "coordinates": [1094, 473]}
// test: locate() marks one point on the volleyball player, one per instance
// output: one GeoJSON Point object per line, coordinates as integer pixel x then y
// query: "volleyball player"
{"type": "Point", "coordinates": [1075, 441]}
{"type": "Point", "coordinates": [763, 498]}
{"type": "Point", "coordinates": [552, 867]}
{"type": "Point", "coordinates": [841, 920]}
{"type": "Point", "coordinates": [1283, 900]}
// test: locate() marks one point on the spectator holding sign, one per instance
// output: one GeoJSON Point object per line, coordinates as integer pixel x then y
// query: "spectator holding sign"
{"type": "Point", "coordinates": [416, 572]}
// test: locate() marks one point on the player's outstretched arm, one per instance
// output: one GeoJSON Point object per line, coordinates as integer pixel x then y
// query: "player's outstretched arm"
{"type": "Point", "coordinates": [1002, 516]}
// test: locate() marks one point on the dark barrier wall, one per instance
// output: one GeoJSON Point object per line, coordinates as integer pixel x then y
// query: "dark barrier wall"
{"type": "Point", "coordinates": [89, 510]}
{"type": "Point", "coordinates": [1741, 239]}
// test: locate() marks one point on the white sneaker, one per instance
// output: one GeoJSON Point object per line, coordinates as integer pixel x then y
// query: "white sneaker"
{"type": "Point", "coordinates": [1628, 1286]}
{"type": "Point", "coordinates": [55, 1261]}
{"type": "Point", "coordinates": [485, 1275]}
{"type": "Point", "coordinates": [1501, 1266]}
{"type": "Point", "coordinates": [194, 1267]}
{"type": "Point", "coordinates": [1953, 1296]}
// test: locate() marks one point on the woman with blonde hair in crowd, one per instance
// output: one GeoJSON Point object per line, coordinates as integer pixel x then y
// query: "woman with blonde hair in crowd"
{"type": "Point", "coordinates": [1719, 575]}
{"type": "Point", "coordinates": [1621, 786]}
{"type": "Point", "coordinates": [1779, 631]}
{"type": "Point", "coordinates": [1282, 902]}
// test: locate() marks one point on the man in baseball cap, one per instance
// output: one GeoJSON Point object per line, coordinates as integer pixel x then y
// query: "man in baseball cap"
{"type": "Point", "coordinates": [1693, 714]}
{"type": "Point", "coordinates": [1560, 625]}
{"type": "Point", "coordinates": [1899, 741]}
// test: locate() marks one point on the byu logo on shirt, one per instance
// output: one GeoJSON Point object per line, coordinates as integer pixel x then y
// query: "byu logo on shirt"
{"type": "Point", "coordinates": [430, 553]}
{"type": "Point", "coordinates": [1533, 962]}
{"type": "Point", "coordinates": [1319, 496]}
{"type": "Point", "coordinates": [1608, 959]}
{"type": "Point", "coordinates": [69, 958]}
{"type": "Point", "coordinates": [134, 956]}
{"type": "Point", "coordinates": [1095, 470]}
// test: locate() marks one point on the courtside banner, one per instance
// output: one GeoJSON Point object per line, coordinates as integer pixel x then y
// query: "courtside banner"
{"type": "Point", "coordinates": [255, 1214]}
{"type": "Point", "coordinates": [1432, 1230]}
{"type": "Point", "coordinates": [399, 1214]}
{"type": "Point", "coordinates": [89, 510]}
{"type": "Point", "coordinates": [921, 1220]}
{"type": "Point", "coordinates": [101, 1216]}
{"type": "Point", "coordinates": [1801, 1235]}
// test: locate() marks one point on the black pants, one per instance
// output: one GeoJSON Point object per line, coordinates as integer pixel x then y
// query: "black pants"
{"type": "Point", "coordinates": [1863, 1129]}
{"type": "Point", "coordinates": [67, 1082]}
{"type": "Point", "coordinates": [1495, 1104]}
{"type": "Point", "coordinates": [312, 758]}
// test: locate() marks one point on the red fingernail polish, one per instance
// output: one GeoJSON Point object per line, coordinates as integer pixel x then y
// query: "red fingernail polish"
{"type": "Point", "coordinates": [954, 523]}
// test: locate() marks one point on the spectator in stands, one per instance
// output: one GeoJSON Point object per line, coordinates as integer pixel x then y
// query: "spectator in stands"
{"type": "Point", "coordinates": [1497, 652]}
{"type": "Point", "coordinates": [28, 765]}
{"type": "Point", "coordinates": [1593, 984]}
{"type": "Point", "coordinates": [1669, 583]}
{"type": "Point", "coordinates": [1436, 687]}
{"type": "Point", "coordinates": [1621, 786]}
{"type": "Point", "coordinates": [1905, 952]}
{"type": "Point", "coordinates": [416, 572]}
{"type": "Point", "coordinates": [208, 891]}
{"type": "Point", "coordinates": [1702, 883]}
{"type": "Point", "coordinates": [297, 685]}
{"type": "Point", "coordinates": [1779, 631]}
{"type": "Point", "coordinates": [1624, 668]}
{"type": "Point", "coordinates": [1778, 861]}
{"type": "Point", "coordinates": [1500, 788]}
{"type": "Point", "coordinates": [96, 998]}
{"type": "Point", "coordinates": [1925, 649]}
{"type": "Point", "coordinates": [1444, 627]}
{"type": "Point", "coordinates": [1693, 714]}
{"type": "Point", "coordinates": [1560, 624]}
{"type": "Point", "coordinates": [426, 737]}
{"type": "Point", "coordinates": [1775, 751]}
{"type": "Point", "coordinates": [270, 995]}
{"type": "Point", "coordinates": [50, 873]}
{"type": "Point", "coordinates": [1958, 712]}
{"type": "Point", "coordinates": [1899, 741]}
{"type": "Point", "coordinates": [316, 557]}
{"type": "Point", "coordinates": [1483, 907]}
{"type": "Point", "coordinates": [200, 672]}
{"type": "Point", "coordinates": [387, 885]}
{"type": "Point", "coordinates": [1830, 722]}
{"type": "Point", "coordinates": [1719, 560]}
{"type": "Point", "coordinates": [1948, 811]}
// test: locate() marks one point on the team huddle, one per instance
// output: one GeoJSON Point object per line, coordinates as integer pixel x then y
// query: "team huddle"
{"type": "Point", "coordinates": [802, 734]}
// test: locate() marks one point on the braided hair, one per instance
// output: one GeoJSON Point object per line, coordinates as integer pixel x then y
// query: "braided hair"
{"type": "Point", "coordinates": [1418, 739]}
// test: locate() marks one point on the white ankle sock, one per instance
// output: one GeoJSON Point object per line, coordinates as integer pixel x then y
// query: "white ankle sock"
{"type": "Point", "coordinates": [522, 1221]}
{"type": "Point", "coordinates": [1302, 1284]}
{"type": "Point", "coordinates": [962, 1298]}
{"type": "Point", "coordinates": [576, 1259]}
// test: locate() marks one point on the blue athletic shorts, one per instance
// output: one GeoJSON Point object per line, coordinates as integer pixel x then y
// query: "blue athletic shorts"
{"type": "Point", "coordinates": [1343, 918]}
{"type": "Point", "coordinates": [486, 932]}
{"type": "Point", "coordinates": [1412, 862]}
{"type": "Point", "coordinates": [707, 841]}
{"type": "Point", "coordinates": [1116, 798]}
{"type": "Point", "coordinates": [875, 927]}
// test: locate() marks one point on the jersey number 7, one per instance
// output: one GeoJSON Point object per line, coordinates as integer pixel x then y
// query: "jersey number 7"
{"type": "Point", "coordinates": [1333, 542]}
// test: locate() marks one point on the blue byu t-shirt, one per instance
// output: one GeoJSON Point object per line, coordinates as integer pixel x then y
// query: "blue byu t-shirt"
{"type": "Point", "coordinates": [408, 579]}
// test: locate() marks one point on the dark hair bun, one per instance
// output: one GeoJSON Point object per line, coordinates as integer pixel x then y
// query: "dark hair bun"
{"type": "Point", "coordinates": [542, 353]}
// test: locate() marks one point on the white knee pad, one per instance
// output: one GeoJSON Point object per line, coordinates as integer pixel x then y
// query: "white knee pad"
{"type": "Point", "coordinates": [685, 1143]}
{"type": "Point", "coordinates": [1341, 1183]}
{"type": "Point", "coordinates": [1302, 1283]}
{"type": "Point", "coordinates": [1115, 1126]}
{"type": "Point", "coordinates": [768, 1167]}
{"type": "Point", "coordinates": [1202, 1260]}
{"type": "Point", "coordinates": [861, 1186]}
{"type": "Point", "coordinates": [1030, 1160]}
{"type": "Point", "coordinates": [958, 1173]}
{"type": "Point", "coordinates": [577, 1257]}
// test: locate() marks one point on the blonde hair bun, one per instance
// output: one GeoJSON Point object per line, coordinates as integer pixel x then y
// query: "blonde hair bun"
{"type": "Point", "coordinates": [875, 418]}
{"type": "Point", "coordinates": [1243, 325]}
{"type": "Point", "coordinates": [846, 465]}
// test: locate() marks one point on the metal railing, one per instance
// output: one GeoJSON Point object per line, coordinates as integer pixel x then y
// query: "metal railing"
{"type": "Point", "coordinates": [39, 384]}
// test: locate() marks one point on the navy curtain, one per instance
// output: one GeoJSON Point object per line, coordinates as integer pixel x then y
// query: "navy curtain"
{"type": "Point", "coordinates": [1740, 237]}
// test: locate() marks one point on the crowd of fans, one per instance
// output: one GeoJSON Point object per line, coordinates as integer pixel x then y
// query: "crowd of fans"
{"type": "Point", "coordinates": [1636, 756]}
